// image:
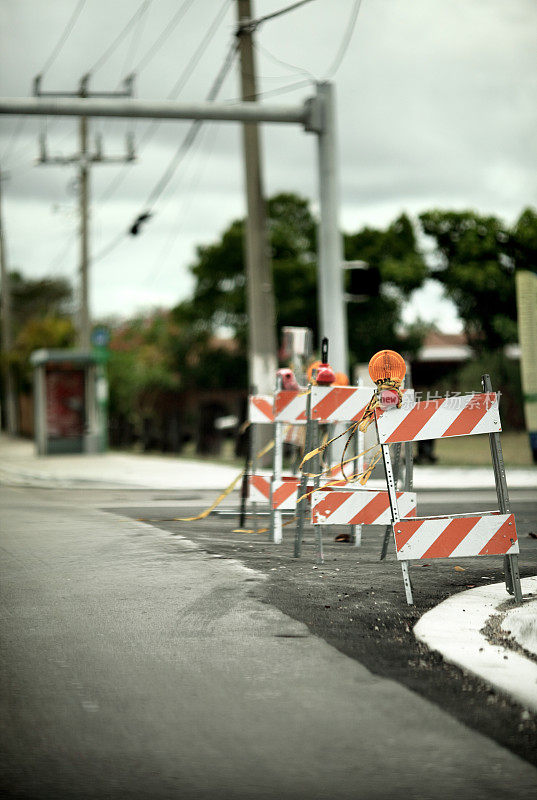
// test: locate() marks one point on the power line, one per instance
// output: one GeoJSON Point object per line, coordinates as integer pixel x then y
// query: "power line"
{"type": "Point", "coordinates": [119, 38]}
{"type": "Point", "coordinates": [176, 89]}
{"type": "Point", "coordinates": [163, 36]}
{"type": "Point", "coordinates": [17, 130]}
{"type": "Point", "coordinates": [64, 36]}
{"type": "Point", "coordinates": [193, 130]}
{"type": "Point", "coordinates": [346, 39]}
{"type": "Point", "coordinates": [135, 41]}
{"type": "Point", "coordinates": [290, 87]}
{"type": "Point", "coordinates": [294, 67]}
{"type": "Point", "coordinates": [259, 20]}
{"type": "Point", "coordinates": [179, 155]}
{"type": "Point", "coordinates": [195, 58]}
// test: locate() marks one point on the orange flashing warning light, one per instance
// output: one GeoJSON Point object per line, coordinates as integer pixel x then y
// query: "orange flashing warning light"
{"type": "Point", "coordinates": [387, 365]}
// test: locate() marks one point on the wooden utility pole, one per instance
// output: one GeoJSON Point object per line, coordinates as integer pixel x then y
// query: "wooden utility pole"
{"type": "Point", "coordinates": [7, 340]}
{"type": "Point", "coordinates": [262, 346]}
{"type": "Point", "coordinates": [84, 159]}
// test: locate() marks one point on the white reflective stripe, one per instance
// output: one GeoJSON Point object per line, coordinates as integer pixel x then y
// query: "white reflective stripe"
{"type": "Point", "coordinates": [490, 423]}
{"type": "Point", "coordinates": [390, 420]}
{"type": "Point", "coordinates": [292, 410]}
{"type": "Point", "coordinates": [406, 504]}
{"type": "Point", "coordinates": [357, 501]}
{"type": "Point", "coordinates": [481, 533]}
{"type": "Point", "coordinates": [444, 416]}
{"type": "Point", "coordinates": [255, 414]}
{"type": "Point", "coordinates": [357, 399]}
{"type": "Point", "coordinates": [256, 495]}
{"type": "Point", "coordinates": [425, 536]}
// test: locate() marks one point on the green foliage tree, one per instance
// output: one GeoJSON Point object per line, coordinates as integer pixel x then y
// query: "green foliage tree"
{"type": "Point", "coordinates": [396, 269]}
{"type": "Point", "coordinates": [476, 268]}
{"type": "Point", "coordinates": [219, 298]}
{"type": "Point", "coordinates": [522, 242]}
{"type": "Point", "coordinates": [40, 317]}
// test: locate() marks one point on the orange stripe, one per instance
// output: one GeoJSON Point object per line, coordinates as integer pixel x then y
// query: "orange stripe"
{"type": "Point", "coordinates": [282, 400]}
{"type": "Point", "coordinates": [264, 406]}
{"type": "Point", "coordinates": [451, 537]}
{"type": "Point", "coordinates": [405, 530]}
{"type": "Point", "coordinates": [415, 420]}
{"type": "Point", "coordinates": [261, 484]}
{"type": "Point", "coordinates": [330, 503]}
{"type": "Point", "coordinates": [502, 539]}
{"type": "Point", "coordinates": [372, 510]}
{"type": "Point", "coordinates": [284, 492]}
{"type": "Point", "coordinates": [331, 402]}
{"type": "Point", "coordinates": [470, 415]}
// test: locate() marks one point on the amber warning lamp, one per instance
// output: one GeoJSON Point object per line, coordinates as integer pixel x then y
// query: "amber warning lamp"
{"type": "Point", "coordinates": [387, 370]}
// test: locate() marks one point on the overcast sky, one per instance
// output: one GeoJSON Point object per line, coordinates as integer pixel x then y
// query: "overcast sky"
{"type": "Point", "coordinates": [437, 106]}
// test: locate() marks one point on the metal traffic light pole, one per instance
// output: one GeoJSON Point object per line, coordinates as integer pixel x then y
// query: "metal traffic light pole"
{"type": "Point", "coordinates": [317, 115]}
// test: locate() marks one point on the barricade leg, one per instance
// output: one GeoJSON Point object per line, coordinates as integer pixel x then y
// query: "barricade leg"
{"type": "Point", "coordinates": [512, 577]}
{"type": "Point", "coordinates": [302, 504]}
{"type": "Point", "coordinates": [396, 464]}
{"type": "Point", "coordinates": [392, 493]}
{"type": "Point", "coordinates": [359, 447]}
{"type": "Point", "coordinates": [276, 514]}
{"type": "Point", "coordinates": [316, 483]}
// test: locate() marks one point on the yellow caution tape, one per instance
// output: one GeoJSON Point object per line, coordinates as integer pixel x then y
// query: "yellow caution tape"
{"type": "Point", "coordinates": [262, 530]}
{"type": "Point", "coordinates": [225, 493]}
{"type": "Point", "coordinates": [217, 502]}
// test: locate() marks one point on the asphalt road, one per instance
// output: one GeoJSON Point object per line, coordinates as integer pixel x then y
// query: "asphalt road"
{"type": "Point", "coordinates": [134, 664]}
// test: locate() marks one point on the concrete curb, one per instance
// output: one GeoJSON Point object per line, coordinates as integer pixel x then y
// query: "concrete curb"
{"type": "Point", "coordinates": [453, 628]}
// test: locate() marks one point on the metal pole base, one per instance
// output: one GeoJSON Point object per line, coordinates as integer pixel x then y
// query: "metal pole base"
{"type": "Point", "coordinates": [512, 577]}
{"type": "Point", "coordinates": [407, 582]}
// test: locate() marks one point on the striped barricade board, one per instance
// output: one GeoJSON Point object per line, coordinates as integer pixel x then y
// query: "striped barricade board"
{"type": "Point", "coordinates": [489, 534]}
{"type": "Point", "coordinates": [358, 506]}
{"type": "Point", "coordinates": [290, 406]}
{"type": "Point", "coordinates": [259, 488]}
{"type": "Point", "coordinates": [339, 403]}
{"type": "Point", "coordinates": [260, 409]}
{"type": "Point", "coordinates": [435, 419]}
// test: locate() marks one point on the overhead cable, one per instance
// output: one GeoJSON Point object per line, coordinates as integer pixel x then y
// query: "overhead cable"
{"type": "Point", "coordinates": [163, 36]}
{"type": "Point", "coordinates": [259, 20]}
{"type": "Point", "coordinates": [135, 41]}
{"type": "Point", "coordinates": [63, 38]}
{"type": "Point", "coordinates": [349, 30]}
{"type": "Point", "coordinates": [142, 8]}
{"type": "Point", "coordinates": [172, 95]}
{"type": "Point", "coordinates": [181, 152]}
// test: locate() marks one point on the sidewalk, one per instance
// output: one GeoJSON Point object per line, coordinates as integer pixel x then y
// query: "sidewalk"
{"type": "Point", "coordinates": [20, 466]}
{"type": "Point", "coordinates": [484, 632]}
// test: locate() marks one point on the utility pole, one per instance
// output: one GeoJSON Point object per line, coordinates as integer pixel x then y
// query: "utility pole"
{"type": "Point", "coordinates": [84, 158]}
{"type": "Point", "coordinates": [262, 346]}
{"type": "Point", "coordinates": [7, 342]}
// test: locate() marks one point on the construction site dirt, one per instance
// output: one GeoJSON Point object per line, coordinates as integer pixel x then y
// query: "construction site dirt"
{"type": "Point", "coordinates": [356, 602]}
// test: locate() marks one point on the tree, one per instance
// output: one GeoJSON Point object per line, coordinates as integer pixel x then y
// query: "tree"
{"type": "Point", "coordinates": [395, 268]}
{"type": "Point", "coordinates": [476, 267]}
{"type": "Point", "coordinates": [40, 317]}
{"type": "Point", "coordinates": [219, 298]}
{"type": "Point", "coordinates": [219, 294]}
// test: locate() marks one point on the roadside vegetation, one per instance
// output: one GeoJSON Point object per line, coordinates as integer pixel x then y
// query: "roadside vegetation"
{"type": "Point", "coordinates": [173, 372]}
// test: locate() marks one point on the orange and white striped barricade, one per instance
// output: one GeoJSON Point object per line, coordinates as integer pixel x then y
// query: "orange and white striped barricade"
{"type": "Point", "coordinates": [327, 405]}
{"type": "Point", "coordinates": [289, 409]}
{"type": "Point", "coordinates": [364, 507]}
{"type": "Point", "coordinates": [260, 409]}
{"type": "Point", "coordinates": [465, 535]}
{"type": "Point", "coordinates": [336, 405]}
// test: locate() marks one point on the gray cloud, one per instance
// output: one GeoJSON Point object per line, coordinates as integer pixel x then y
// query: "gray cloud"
{"type": "Point", "coordinates": [436, 106]}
